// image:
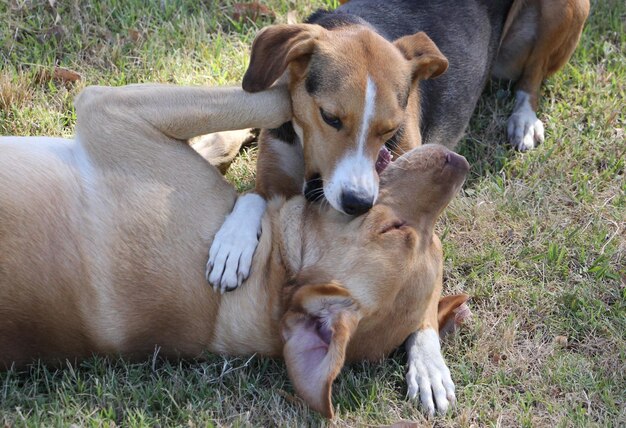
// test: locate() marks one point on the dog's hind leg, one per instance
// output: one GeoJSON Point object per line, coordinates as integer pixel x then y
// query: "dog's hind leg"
{"type": "Point", "coordinates": [152, 114]}
{"type": "Point", "coordinates": [453, 311]}
{"type": "Point", "coordinates": [220, 148]}
{"type": "Point", "coordinates": [538, 39]}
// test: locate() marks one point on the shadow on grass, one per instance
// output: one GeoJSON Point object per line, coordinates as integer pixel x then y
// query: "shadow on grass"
{"type": "Point", "coordinates": [485, 145]}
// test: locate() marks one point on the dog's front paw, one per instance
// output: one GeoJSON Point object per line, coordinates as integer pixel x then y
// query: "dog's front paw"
{"type": "Point", "coordinates": [230, 256]}
{"type": "Point", "coordinates": [428, 376]}
{"type": "Point", "coordinates": [525, 131]}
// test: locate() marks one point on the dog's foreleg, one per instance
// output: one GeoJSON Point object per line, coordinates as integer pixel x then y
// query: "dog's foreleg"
{"type": "Point", "coordinates": [220, 148]}
{"type": "Point", "coordinates": [428, 376]}
{"type": "Point", "coordinates": [524, 129]}
{"type": "Point", "coordinates": [148, 115]}
{"type": "Point", "coordinates": [230, 255]}
{"type": "Point", "coordinates": [279, 172]}
{"type": "Point", "coordinates": [539, 39]}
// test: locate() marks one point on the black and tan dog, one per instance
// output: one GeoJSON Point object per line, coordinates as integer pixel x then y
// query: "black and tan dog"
{"type": "Point", "coordinates": [361, 79]}
{"type": "Point", "coordinates": [103, 240]}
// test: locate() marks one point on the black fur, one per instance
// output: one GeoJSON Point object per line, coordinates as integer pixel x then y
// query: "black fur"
{"type": "Point", "coordinates": [467, 33]}
{"type": "Point", "coordinates": [284, 133]}
{"type": "Point", "coordinates": [313, 188]}
{"type": "Point", "coordinates": [315, 81]}
{"type": "Point", "coordinates": [333, 19]}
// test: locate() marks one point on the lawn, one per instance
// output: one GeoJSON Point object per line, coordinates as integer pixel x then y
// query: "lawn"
{"type": "Point", "coordinates": [537, 239]}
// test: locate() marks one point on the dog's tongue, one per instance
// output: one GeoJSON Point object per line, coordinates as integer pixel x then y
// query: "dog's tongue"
{"type": "Point", "coordinates": [384, 158]}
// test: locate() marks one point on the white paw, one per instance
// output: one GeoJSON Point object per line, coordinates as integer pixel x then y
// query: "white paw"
{"type": "Point", "coordinates": [428, 376]}
{"type": "Point", "coordinates": [525, 131]}
{"type": "Point", "coordinates": [230, 256]}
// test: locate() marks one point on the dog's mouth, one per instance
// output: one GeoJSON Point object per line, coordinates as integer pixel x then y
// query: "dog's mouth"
{"type": "Point", "coordinates": [314, 187]}
{"type": "Point", "coordinates": [383, 160]}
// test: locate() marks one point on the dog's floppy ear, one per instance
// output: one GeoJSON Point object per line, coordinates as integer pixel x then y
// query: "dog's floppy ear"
{"type": "Point", "coordinates": [452, 312]}
{"type": "Point", "coordinates": [274, 48]}
{"type": "Point", "coordinates": [316, 329]}
{"type": "Point", "coordinates": [427, 59]}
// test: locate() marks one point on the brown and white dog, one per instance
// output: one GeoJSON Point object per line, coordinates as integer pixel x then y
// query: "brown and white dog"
{"type": "Point", "coordinates": [103, 239]}
{"type": "Point", "coordinates": [360, 79]}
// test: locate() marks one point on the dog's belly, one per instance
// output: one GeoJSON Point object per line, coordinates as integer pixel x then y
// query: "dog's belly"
{"type": "Point", "coordinates": [42, 261]}
{"type": "Point", "coordinates": [104, 260]}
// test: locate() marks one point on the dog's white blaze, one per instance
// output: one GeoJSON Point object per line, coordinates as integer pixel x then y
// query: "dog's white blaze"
{"type": "Point", "coordinates": [355, 171]}
{"type": "Point", "coordinates": [368, 113]}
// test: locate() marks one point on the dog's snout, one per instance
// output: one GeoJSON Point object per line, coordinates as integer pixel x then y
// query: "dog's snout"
{"type": "Point", "coordinates": [457, 161]}
{"type": "Point", "coordinates": [354, 203]}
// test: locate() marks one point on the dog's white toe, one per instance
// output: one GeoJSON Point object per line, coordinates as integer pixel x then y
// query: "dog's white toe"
{"type": "Point", "coordinates": [230, 256]}
{"type": "Point", "coordinates": [525, 131]}
{"type": "Point", "coordinates": [428, 376]}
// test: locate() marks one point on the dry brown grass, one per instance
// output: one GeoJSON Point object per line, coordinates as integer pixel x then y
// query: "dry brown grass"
{"type": "Point", "coordinates": [15, 91]}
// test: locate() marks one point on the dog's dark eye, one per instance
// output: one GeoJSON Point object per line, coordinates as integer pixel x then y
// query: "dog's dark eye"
{"type": "Point", "coordinates": [388, 133]}
{"type": "Point", "coordinates": [331, 120]}
{"type": "Point", "coordinates": [393, 225]}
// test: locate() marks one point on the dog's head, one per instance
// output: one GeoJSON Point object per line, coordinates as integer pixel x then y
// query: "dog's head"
{"type": "Point", "coordinates": [363, 284]}
{"type": "Point", "coordinates": [350, 89]}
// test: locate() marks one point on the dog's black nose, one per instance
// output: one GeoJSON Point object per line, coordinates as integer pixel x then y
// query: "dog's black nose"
{"type": "Point", "coordinates": [356, 203]}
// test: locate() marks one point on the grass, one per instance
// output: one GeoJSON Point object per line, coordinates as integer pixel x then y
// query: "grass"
{"type": "Point", "coordinates": [537, 239]}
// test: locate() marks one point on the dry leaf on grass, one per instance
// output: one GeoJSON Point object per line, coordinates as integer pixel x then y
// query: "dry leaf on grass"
{"type": "Point", "coordinates": [252, 11]}
{"type": "Point", "coordinates": [134, 35]}
{"type": "Point", "coordinates": [58, 74]}
{"type": "Point", "coordinates": [497, 357]}
{"type": "Point", "coordinates": [65, 75]}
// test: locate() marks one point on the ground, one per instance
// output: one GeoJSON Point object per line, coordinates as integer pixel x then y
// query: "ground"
{"type": "Point", "coordinates": [537, 239]}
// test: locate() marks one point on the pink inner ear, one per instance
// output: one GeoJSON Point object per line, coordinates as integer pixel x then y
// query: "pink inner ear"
{"type": "Point", "coordinates": [310, 340]}
{"type": "Point", "coordinates": [314, 353]}
{"type": "Point", "coordinates": [309, 364]}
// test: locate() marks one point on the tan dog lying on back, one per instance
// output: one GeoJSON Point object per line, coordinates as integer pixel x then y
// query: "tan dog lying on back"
{"type": "Point", "coordinates": [103, 241]}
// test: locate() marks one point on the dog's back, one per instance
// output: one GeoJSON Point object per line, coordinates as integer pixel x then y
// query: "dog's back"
{"type": "Point", "coordinates": [466, 32]}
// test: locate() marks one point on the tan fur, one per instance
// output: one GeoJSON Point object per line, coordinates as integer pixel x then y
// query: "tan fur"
{"type": "Point", "coordinates": [452, 311]}
{"type": "Point", "coordinates": [538, 39]}
{"type": "Point", "coordinates": [352, 54]}
{"type": "Point", "coordinates": [104, 241]}
{"type": "Point", "coordinates": [220, 148]}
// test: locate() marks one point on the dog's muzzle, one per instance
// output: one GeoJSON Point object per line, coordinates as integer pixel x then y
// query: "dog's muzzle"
{"type": "Point", "coordinates": [314, 189]}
